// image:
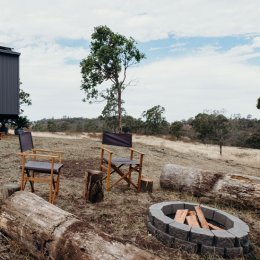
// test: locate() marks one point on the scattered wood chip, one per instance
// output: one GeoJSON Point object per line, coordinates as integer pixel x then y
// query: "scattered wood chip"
{"type": "Point", "coordinates": [181, 215]}
{"type": "Point", "coordinates": [201, 217]}
{"type": "Point", "coordinates": [192, 221]}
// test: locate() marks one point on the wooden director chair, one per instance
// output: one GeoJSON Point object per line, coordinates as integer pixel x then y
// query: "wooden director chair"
{"type": "Point", "coordinates": [120, 165]}
{"type": "Point", "coordinates": [39, 165]}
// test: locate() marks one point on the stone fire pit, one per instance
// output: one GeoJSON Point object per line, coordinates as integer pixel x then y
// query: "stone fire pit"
{"type": "Point", "coordinates": [232, 241]}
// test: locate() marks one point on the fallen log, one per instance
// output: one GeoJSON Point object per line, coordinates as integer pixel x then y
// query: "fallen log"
{"type": "Point", "coordinates": [240, 190]}
{"type": "Point", "coordinates": [52, 233]}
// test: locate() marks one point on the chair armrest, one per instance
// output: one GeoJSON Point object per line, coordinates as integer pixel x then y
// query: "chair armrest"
{"type": "Point", "coordinates": [47, 151]}
{"type": "Point", "coordinates": [107, 150]}
{"type": "Point", "coordinates": [33, 155]}
{"type": "Point", "coordinates": [51, 152]}
{"type": "Point", "coordinates": [131, 149]}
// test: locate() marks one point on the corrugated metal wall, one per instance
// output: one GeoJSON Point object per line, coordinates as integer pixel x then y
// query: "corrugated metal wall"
{"type": "Point", "coordinates": [9, 84]}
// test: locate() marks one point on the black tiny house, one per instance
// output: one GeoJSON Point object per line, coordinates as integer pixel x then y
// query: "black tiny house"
{"type": "Point", "coordinates": [9, 83]}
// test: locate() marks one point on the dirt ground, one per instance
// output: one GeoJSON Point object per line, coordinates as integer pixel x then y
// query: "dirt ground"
{"type": "Point", "coordinates": [123, 212]}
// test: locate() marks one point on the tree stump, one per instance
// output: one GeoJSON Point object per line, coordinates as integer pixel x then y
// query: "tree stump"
{"type": "Point", "coordinates": [9, 188]}
{"type": "Point", "coordinates": [49, 232]}
{"type": "Point", "coordinates": [146, 184]}
{"type": "Point", "coordinates": [93, 191]}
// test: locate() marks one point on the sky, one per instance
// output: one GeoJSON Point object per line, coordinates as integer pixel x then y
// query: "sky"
{"type": "Point", "coordinates": [201, 55]}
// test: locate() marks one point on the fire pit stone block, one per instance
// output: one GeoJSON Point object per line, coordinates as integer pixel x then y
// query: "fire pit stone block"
{"type": "Point", "coordinates": [179, 230]}
{"type": "Point", "coordinates": [237, 223]}
{"type": "Point", "coordinates": [165, 238]}
{"type": "Point", "coordinates": [212, 250]}
{"type": "Point", "coordinates": [186, 245]}
{"type": "Point", "coordinates": [201, 236]}
{"type": "Point", "coordinates": [220, 217]}
{"type": "Point", "coordinates": [241, 236]}
{"type": "Point", "coordinates": [223, 238]}
{"type": "Point", "coordinates": [207, 211]}
{"type": "Point", "coordinates": [154, 213]}
{"type": "Point", "coordinates": [162, 222]}
{"type": "Point", "coordinates": [233, 252]}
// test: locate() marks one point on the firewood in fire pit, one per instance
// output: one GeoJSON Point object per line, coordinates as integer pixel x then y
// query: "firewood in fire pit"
{"type": "Point", "coordinates": [213, 227]}
{"type": "Point", "coordinates": [192, 221]}
{"type": "Point", "coordinates": [201, 217]}
{"type": "Point", "coordinates": [181, 215]}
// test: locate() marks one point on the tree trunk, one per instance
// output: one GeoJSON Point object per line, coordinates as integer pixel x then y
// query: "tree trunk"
{"type": "Point", "coordinates": [51, 233]}
{"type": "Point", "coordinates": [119, 109]}
{"type": "Point", "coordinates": [240, 190]}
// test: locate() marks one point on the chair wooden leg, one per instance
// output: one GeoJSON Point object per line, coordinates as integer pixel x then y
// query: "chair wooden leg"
{"type": "Point", "coordinates": [139, 182]}
{"type": "Point", "coordinates": [50, 194]}
{"type": "Point", "coordinates": [31, 182]}
{"type": "Point", "coordinates": [22, 180]}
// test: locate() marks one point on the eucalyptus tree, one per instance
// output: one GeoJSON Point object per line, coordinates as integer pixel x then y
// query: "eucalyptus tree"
{"type": "Point", "coordinates": [111, 55]}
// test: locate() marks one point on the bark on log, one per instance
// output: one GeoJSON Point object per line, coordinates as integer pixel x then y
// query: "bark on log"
{"type": "Point", "coordinates": [240, 190]}
{"type": "Point", "coordinates": [51, 233]}
{"type": "Point", "coordinates": [93, 191]}
{"type": "Point", "coordinates": [146, 185]}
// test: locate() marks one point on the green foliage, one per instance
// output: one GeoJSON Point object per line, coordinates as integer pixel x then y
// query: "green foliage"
{"type": "Point", "coordinates": [154, 119]}
{"type": "Point", "coordinates": [253, 141]}
{"type": "Point", "coordinates": [210, 126]}
{"type": "Point", "coordinates": [258, 103]}
{"type": "Point", "coordinates": [24, 99]}
{"type": "Point", "coordinates": [51, 126]}
{"type": "Point", "coordinates": [21, 122]}
{"type": "Point", "coordinates": [111, 54]}
{"type": "Point", "coordinates": [175, 128]}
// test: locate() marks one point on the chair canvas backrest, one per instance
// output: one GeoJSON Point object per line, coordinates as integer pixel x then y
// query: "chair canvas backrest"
{"type": "Point", "coordinates": [26, 142]}
{"type": "Point", "coordinates": [117, 139]}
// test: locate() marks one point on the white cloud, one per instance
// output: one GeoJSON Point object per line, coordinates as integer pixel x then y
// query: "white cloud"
{"type": "Point", "coordinates": [189, 85]}
{"type": "Point", "coordinates": [202, 80]}
{"type": "Point", "coordinates": [144, 20]}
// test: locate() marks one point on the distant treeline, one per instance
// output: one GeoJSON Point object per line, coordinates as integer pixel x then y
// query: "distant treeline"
{"type": "Point", "coordinates": [208, 128]}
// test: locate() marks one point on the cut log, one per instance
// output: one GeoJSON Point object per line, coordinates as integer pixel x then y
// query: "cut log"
{"type": "Point", "coordinates": [93, 186]}
{"type": "Point", "coordinates": [181, 215]}
{"type": "Point", "coordinates": [243, 191]}
{"type": "Point", "coordinates": [201, 217]}
{"type": "Point", "coordinates": [192, 221]}
{"type": "Point", "coordinates": [146, 184]}
{"type": "Point", "coordinates": [51, 233]}
{"type": "Point", "coordinates": [213, 227]}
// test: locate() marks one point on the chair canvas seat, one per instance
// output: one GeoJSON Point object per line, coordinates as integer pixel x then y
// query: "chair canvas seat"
{"type": "Point", "coordinates": [43, 167]}
{"type": "Point", "coordinates": [122, 160]}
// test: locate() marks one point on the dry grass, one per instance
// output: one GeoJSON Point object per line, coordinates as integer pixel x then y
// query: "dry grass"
{"type": "Point", "coordinates": [123, 212]}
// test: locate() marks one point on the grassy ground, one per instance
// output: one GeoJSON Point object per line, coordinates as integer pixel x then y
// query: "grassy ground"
{"type": "Point", "coordinates": [123, 212]}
